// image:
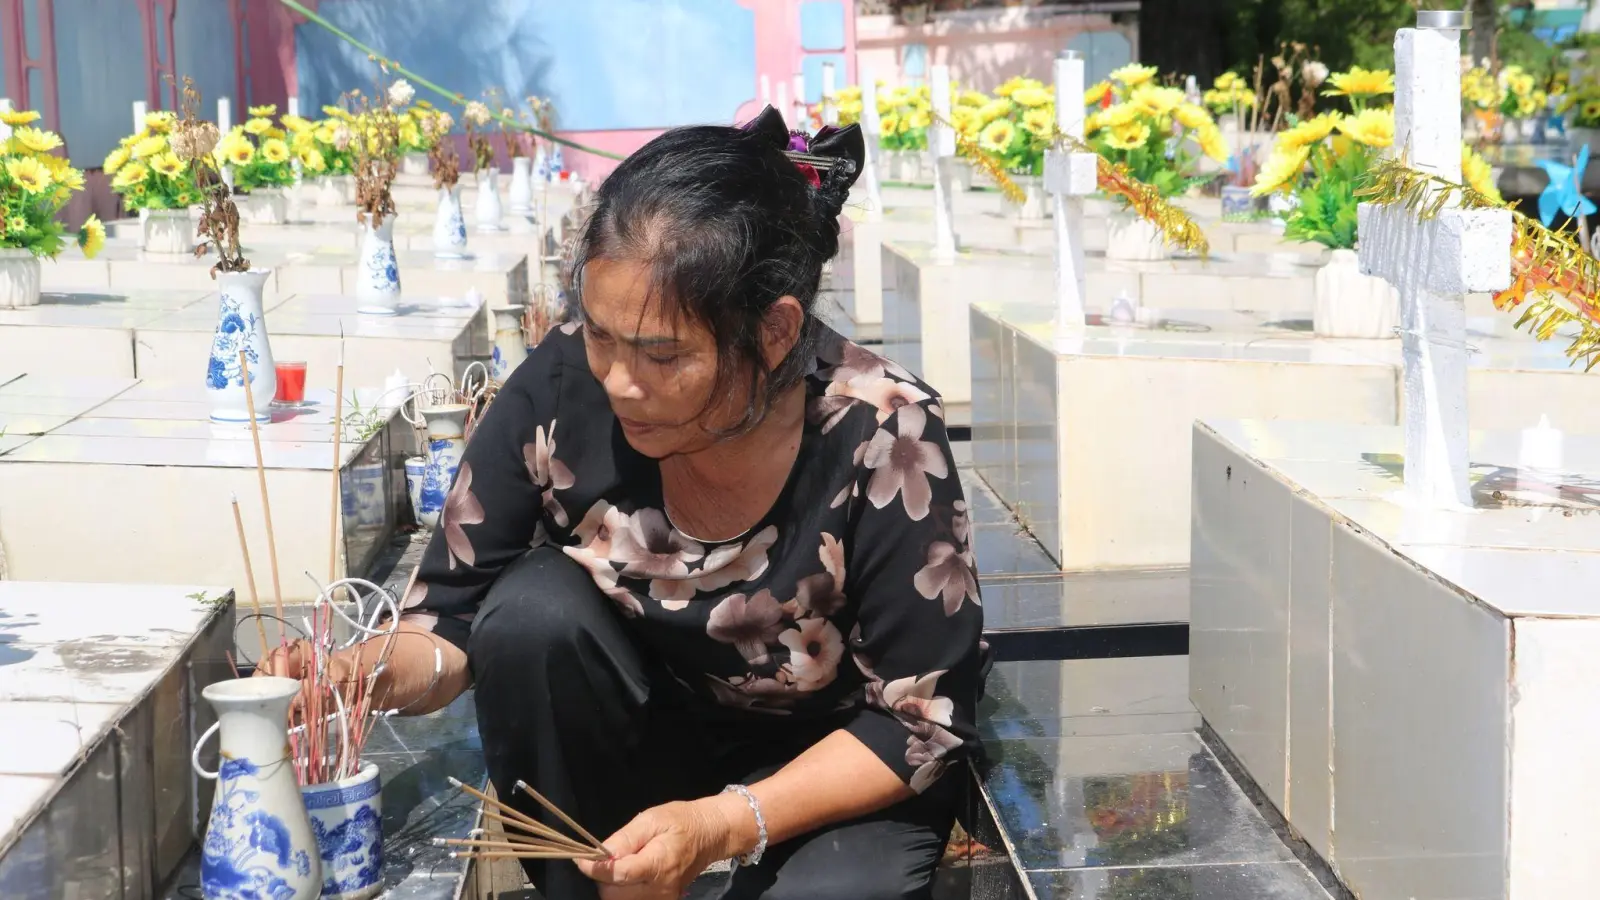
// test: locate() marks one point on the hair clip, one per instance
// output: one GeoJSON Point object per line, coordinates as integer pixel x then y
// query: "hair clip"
{"type": "Point", "coordinates": [817, 162]}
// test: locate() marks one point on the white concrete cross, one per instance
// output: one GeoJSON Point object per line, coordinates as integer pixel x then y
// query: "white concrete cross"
{"type": "Point", "coordinates": [139, 109]}
{"type": "Point", "coordinates": [872, 131]}
{"type": "Point", "coordinates": [294, 106]}
{"type": "Point", "coordinates": [800, 117]}
{"type": "Point", "coordinates": [1069, 176]}
{"type": "Point", "coordinates": [942, 152]}
{"type": "Point", "coordinates": [224, 114]}
{"type": "Point", "coordinates": [1435, 262]}
{"type": "Point", "coordinates": [782, 104]}
{"type": "Point", "coordinates": [830, 105]}
{"type": "Point", "coordinates": [5, 106]}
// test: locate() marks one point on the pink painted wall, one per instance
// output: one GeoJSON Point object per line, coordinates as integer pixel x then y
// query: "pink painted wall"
{"type": "Point", "coordinates": [982, 47]}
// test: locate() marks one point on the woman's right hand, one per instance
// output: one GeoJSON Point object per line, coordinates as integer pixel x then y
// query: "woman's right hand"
{"type": "Point", "coordinates": [423, 673]}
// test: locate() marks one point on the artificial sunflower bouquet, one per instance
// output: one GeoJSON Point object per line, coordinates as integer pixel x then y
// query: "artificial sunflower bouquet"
{"type": "Point", "coordinates": [906, 114]}
{"type": "Point", "coordinates": [1153, 132]}
{"type": "Point", "coordinates": [1016, 127]}
{"type": "Point", "coordinates": [35, 186]}
{"type": "Point", "coordinates": [1229, 95]}
{"type": "Point", "coordinates": [257, 152]}
{"type": "Point", "coordinates": [146, 173]}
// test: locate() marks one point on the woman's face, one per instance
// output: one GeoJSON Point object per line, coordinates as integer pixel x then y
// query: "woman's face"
{"type": "Point", "coordinates": [657, 372]}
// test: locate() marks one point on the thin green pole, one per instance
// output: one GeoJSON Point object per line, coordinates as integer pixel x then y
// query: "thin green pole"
{"type": "Point", "coordinates": [451, 96]}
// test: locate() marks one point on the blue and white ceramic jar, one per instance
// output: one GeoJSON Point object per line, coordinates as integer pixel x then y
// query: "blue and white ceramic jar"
{"type": "Point", "coordinates": [241, 326]}
{"type": "Point", "coordinates": [347, 821]}
{"type": "Point", "coordinates": [449, 231]}
{"type": "Point", "coordinates": [510, 343]}
{"type": "Point", "coordinates": [378, 270]}
{"type": "Point", "coordinates": [447, 441]}
{"type": "Point", "coordinates": [416, 474]}
{"type": "Point", "coordinates": [259, 843]}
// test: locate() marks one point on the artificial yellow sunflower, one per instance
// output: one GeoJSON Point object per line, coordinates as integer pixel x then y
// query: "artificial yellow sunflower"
{"type": "Point", "coordinates": [1157, 101]}
{"type": "Point", "coordinates": [967, 98]}
{"type": "Point", "coordinates": [132, 175]}
{"type": "Point", "coordinates": [1128, 136]}
{"type": "Point", "coordinates": [993, 110]}
{"type": "Point", "coordinates": [1476, 173]}
{"type": "Point", "coordinates": [149, 146]}
{"type": "Point", "coordinates": [1031, 97]}
{"type": "Point", "coordinates": [1093, 122]}
{"type": "Point", "coordinates": [275, 151]}
{"type": "Point", "coordinates": [334, 112]}
{"type": "Point", "coordinates": [311, 159]}
{"type": "Point", "coordinates": [889, 123]}
{"type": "Point", "coordinates": [16, 225]}
{"type": "Point", "coordinates": [35, 140]}
{"type": "Point", "coordinates": [269, 110]}
{"type": "Point", "coordinates": [258, 126]}
{"type": "Point", "coordinates": [167, 164]}
{"type": "Point", "coordinates": [1040, 122]}
{"type": "Point", "coordinates": [1013, 84]}
{"type": "Point", "coordinates": [966, 121]}
{"type": "Point", "coordinates": [410, 135]}
{"type": "Point", "coordinates": [1211, 142]}
{"type": "Point", "coordinates": [15, 117]}
{"type": "Point", "coordinates": [997, 135]}
{"type": "Point", "coordinates": [1310, 131]}
{"type": "Point", "coordinates": [1359, 82]}
{"type": "Point", "coordinates": [1228, 81]}
{"type": "Point", "coordinates": [187, 199]}
{"type": "Point", "coordinates": [68, 177]}
{"type": "Point", "coordinates": [1191, 116]}
{"type": "Point", "coordinates": [297, 124]}
{"type": "Point", "coordinates": [159, 122]}
{"type": "Point", "coordinates": [239, 153]}
{"type": "Point", "coordinates": [1120, 114]}
{"type": "Point", "coordinates": [29, 174]}
{"type": "Point", "coordinates": [92, 237]}
{"type": "Point", "coordinates": [1373, 127]}
{"type": "Point", "coordinates": [1282, 168]}
{"type": "Point", "coordinates": [1096, 94]}
{"type": "Point", "coordinates": [1133, 74]}
{"type": "Point", "coordinates": [919, 118]}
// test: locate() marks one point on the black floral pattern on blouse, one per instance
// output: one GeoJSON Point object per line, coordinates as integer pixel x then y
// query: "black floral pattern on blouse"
{"type": "Point", "coordinates": [867, 552]}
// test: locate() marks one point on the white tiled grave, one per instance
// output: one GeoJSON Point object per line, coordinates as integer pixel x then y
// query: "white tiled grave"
{"type": "Point", "coordinates": [1415, 690]}
{"type": "Point", "coordinates": [124, 267]}
{"type": "Point", "coordinates": [90, 331]}
{"type": "Point", "coordinates": [431, 334]}
{"type": "Point", "coordinates": [502, 278]}
{"type": "Point", "coordinates": [1088, 440]}
{"type": "Point", "coordinates": [100, 695]}
{"type": "Point", "coordinates": [118, 479]}
{"type": "Point", "coordinates": [925, 302]}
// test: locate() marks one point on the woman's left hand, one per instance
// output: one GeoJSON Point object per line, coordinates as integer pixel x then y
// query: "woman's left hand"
{"type": "Point", "coordinates": [665, 848]}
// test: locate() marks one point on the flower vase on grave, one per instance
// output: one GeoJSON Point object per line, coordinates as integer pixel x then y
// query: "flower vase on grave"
{"type": "Point", "coordinates": [259, 841]}
{"type": "Point", "coordinates": [521, 192]}
{"type": "Point", "coordinates": [487, 208]}
{"type": "Point", "coordinates": [510, 342]}
{"type": "Point", "coordinates": [414, 164]}
{"type": "Point", "coordinates": [541, 164]}
{"type": "Point", "coordinates": [328, 193]}
{"type": "Point", "coordinates": [1035, 204]}
{"type": "Point", "coordinates": [1130, 237]}
{"type": "Point", "coordinates": [241, 325]}
{"type": "Point", "coordinates": [347, 821]}
{"type": "Point", "coordinates": [416, 475]}
{"type": "Point", "coordinates": [449, 230]}
{"type": "Point", "coordinates": [19, 278]}
{"type": "Point", "coordinates": [558, 163]}
{"type": "Point", "coordinates": [1237, 204]}
{"type": "Point", "coordinates": [378, 271]}
{"type": "Point", "coordinates": [447, 440]}
{"type": "Point", "coordinates": [166, 231]}
{"type": "Point", "coordinates": [1348, 304]}
{"type": "Point", "coordinates": [263, 206]}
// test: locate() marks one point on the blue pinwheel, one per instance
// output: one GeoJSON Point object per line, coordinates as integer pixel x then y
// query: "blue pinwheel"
{"type": "Point", "coordinates": [1563, 192]}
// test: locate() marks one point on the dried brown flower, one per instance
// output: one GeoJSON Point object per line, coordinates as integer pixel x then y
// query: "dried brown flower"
{"type": "Point", "coordinates": [219, 218]}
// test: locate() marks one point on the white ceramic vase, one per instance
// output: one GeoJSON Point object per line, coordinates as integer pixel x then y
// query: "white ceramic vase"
{"type": "Point", "coordinates": [487, 207]}
{"type": "Point", "coordinates": [1348, 304]}
{"type": "Point", "coordinates": [241, 325]}
{"type": "Point", "coordinates": [263, 206]}
{"type": "Point", "coordinates": [510, 343]}
{"type": "Point", "coordinates": [19, 278]}
{"type": "Point", "coordinates": [1035, 204]}
{"type": "Point", "coordinates": [347, 822]}
{"type": "Point", "coordinates": [520, 195]}
{"type": "Point", "coordinates": [447, 440]}
{"type": "Point", "coordinates": [378, 272]}
{"type": "Point", "coordinates": [449, 230]}
{"type": "Point", "coordinates": [1131, 238]}
{"type": "Point", "coordinates": [414, 164]}
{"type": "Point", "coordinates": [259, 841]}
{"type": "Point", "coordinates": [166, 231]}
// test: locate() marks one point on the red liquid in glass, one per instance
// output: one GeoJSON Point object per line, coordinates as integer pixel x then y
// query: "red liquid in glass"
{"type": "Point", "coordinates": [291, 382]}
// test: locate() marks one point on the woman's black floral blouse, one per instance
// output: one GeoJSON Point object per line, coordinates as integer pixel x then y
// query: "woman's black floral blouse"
{"type": "Point", "coordinates": [866, 551]}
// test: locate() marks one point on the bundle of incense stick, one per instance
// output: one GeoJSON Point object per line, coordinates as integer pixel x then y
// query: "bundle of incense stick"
{"type": "Point", "coordinates": [524, 837]}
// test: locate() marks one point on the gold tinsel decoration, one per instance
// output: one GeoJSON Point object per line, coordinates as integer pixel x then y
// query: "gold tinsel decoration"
{"type": "Point", "coordinates": [1550, 272]}
{"type": "Point", "coordinates": [1146, 202]}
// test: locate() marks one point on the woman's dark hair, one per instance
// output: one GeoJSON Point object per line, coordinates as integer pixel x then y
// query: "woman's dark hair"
{"type": "Point", "coordinates": [729, 223]}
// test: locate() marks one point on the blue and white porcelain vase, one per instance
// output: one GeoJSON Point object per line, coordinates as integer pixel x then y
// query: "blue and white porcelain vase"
{"type": "Point", "coordinates": [541, 164]}
{"type": "Point", "coordinates": [521, 192]}
{"type": "Point", "coordinates": [377, 270]}
{"type": "Point", "coordinates": [259, 844]}
{"type": "Point", "coordinates": [447, 440]}
{"type": "Point", "coordinates": [557, 162]}
{"type": "Point", "coordinates": [241, 325]}
{"type": "Point", "coordinates": [449, 231]}
{"type": "Point", "coordinates": [510, 343]}
{"type": "Point", "coordinates": [347, 821]}
{"type": "Point", "coordinates": [416, 475]}
{"type": "Point", "coordinates": [487, 208]}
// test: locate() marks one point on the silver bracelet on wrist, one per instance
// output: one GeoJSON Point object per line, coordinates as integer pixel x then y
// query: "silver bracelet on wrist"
{"type": "Point", "coordinates": [754, 856]}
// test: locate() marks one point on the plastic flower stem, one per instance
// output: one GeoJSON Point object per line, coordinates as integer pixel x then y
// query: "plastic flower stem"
{"type": "Point", "coordinates": [449, 95]}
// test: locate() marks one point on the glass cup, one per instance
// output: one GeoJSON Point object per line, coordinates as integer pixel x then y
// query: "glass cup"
{"type": "Point", "coordinates": [291, 383]}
